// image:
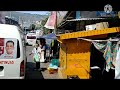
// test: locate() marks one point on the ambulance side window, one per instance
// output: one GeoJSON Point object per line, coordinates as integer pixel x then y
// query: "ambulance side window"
{"type": "Point", "coordinates": [18, 49]}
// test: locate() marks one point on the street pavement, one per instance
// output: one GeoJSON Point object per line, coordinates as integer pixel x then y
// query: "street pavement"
{"type": "Point", "coordinates": [32, 74]}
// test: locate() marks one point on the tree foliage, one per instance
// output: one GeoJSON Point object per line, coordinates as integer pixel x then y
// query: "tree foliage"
{"type": "Point", "coordinates": [40, 26]}
{"type": "Point", "coordinates": [32, 27]}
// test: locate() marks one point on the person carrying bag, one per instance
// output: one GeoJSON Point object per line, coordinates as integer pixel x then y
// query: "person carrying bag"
{"type": "Point", "coordinates": [36, 56]}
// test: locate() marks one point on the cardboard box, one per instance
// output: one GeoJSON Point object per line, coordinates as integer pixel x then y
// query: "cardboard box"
{"type": "Point", "coordinates": [90, 27]}
{"type": "Point", "coordinates": [102, 25]}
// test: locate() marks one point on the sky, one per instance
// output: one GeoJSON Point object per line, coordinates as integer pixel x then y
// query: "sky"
{"type": "Point", "coordinates": [35, 12]}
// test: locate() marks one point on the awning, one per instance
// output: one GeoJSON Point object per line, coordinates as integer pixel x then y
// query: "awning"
{"type": "Point", "coordinates": [81, 19]}
{"type": "Point", "coordinates": [60, 16]}
{"type": "Point", "coordinates": [49, 36]}
{"type": "Point", "coordinates": [85, 19]}
{"type": "Point", "coordinates": [51, 22]}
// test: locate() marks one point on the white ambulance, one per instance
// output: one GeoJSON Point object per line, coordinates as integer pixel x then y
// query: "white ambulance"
{"type": "Point", "coordinates": [12, 52]}
{"type": "Point", "coordinates": [31, 38]}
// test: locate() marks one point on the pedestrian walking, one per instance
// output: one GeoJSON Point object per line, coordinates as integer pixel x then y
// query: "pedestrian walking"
{"type": "Point", "coordinates": [37, 55]}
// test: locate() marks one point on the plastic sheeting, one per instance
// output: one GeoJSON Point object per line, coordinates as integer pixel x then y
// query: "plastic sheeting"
{"type": "Point", "coordinates": [117, 65]}
{"type": "Point", "coordinates": [49, 36]}
{"type": "Point", "coordinates": [109, 48]}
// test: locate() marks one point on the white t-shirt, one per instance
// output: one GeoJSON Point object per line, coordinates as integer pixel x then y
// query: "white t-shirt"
{"type": "Point", "coordinates": [39, 49]}
{"type": "Point", "coordinates": [36, 51]}
{"type": "Point", "coordinates": [42, 54]}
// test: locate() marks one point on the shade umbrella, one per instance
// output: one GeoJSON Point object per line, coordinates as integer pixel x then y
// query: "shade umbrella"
{"type": "Point", "coordinates": [49, 36]}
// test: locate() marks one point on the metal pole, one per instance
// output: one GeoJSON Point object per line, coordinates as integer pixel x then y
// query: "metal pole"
{"type": "Point", "coordinates": [55, 24]}
{"type": "Point", "coordinates": [10, 17]}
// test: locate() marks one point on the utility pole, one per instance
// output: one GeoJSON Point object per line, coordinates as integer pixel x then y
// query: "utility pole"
{"type": "Point", "coordinates": [22, 22]}
{"type": "Point", "coordinates": [55, 24]}
{"type": "Point", "coordinates": [10, 17]}
{"type": "Point", "coordinates": [10, 14]}
{"type": "Point", "coordinates": [19, 19]}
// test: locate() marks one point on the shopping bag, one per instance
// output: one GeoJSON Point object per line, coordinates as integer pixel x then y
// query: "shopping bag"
{"type": "Point", "coordinates": [36, 58]}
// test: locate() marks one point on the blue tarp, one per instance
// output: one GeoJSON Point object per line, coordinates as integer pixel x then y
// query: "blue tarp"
{"type": "Point", "coordinates": [104, 14]}
{"type": "Point", "coordinates": [49, 36]}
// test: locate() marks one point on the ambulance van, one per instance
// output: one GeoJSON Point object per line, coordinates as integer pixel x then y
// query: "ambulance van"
{"type": "Point", "coordinates": [31, 38]}
{"type": "Point", "coordinates": [12, 52]}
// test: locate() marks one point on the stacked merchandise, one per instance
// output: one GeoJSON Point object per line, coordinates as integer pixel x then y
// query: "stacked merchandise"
{"type": "Point", "coordinates": [53, 66]}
